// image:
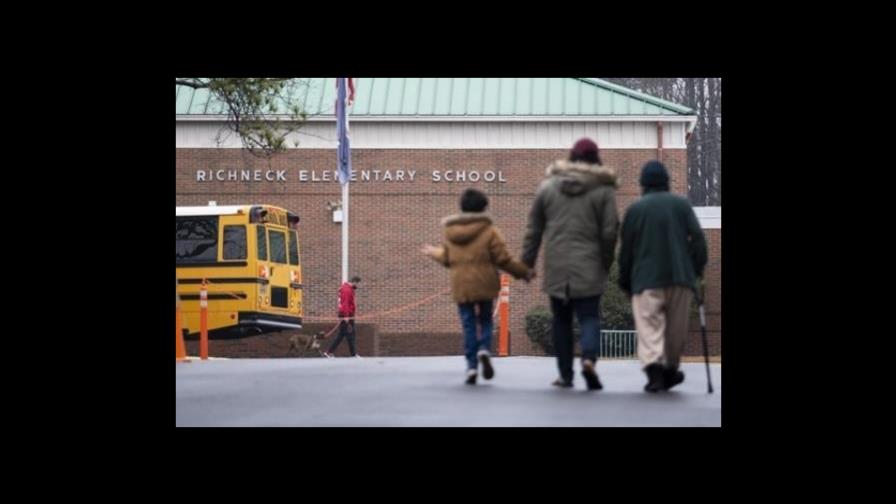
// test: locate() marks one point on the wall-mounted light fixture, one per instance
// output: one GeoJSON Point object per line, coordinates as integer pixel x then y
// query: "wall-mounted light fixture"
{"type": "Point", "coordinates": [336, 208]}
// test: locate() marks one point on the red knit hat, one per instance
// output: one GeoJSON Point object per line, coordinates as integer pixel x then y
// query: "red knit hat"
{"type": "Point", "coordinates": [585, 150]}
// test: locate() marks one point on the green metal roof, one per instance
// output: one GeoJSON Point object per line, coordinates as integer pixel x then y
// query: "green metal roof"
{"type": "Point", "coordinates": [421, 97]}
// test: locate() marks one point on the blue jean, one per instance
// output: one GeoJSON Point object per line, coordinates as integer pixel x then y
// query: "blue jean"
{"type": "Point", "coordinates": [469, 319]}
{"type": "Point", "coordinates": [587, 310]}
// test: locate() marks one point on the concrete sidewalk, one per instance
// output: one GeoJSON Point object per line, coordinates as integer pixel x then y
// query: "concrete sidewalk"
{"type": "Point", "coordinates": [429, 391]}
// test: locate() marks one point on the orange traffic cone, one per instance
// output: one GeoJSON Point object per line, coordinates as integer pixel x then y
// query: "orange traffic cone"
{"type": "Point", "coordinates": [203, 320]}
{"type": "Point", "coordinates": [504, 314]}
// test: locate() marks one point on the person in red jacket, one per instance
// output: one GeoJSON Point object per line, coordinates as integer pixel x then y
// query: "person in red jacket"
{"type": "Point", "coordinates": [346, 317]}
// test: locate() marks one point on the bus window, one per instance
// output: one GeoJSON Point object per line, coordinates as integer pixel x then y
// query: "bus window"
{"type": "Point", "coordinates": [293, 248]}
{"type": "Point", "coordinates": [262, 240]}
{"type": "Point", "coordinates": [197, 240]}
{"type": "Point", "coordinates": [234, 242]}
{"type": "Point", "coordinates": [278, 246]}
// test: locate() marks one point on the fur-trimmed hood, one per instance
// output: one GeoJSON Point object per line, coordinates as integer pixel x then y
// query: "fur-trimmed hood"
{"type": "Point", "coordinates": [579, 178]}
{"type": "Point", "coordinates": [464, 227]}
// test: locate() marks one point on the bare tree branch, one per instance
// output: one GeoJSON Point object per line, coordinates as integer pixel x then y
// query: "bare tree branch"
{"type": "Point", "coordinates": [193, 83]}
{"type": "Point", "coordinates": [255, 109]}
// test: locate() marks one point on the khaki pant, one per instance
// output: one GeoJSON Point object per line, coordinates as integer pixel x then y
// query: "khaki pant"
{"type": "Point", "coordinates": [661, 318]}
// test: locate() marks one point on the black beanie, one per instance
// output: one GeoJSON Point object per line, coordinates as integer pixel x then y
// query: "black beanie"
{"type": "Point", "coordinates": [654, 174]}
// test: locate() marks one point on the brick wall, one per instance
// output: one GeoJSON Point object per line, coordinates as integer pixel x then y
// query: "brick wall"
{"type": "Point", "coordinates": [390, 220]}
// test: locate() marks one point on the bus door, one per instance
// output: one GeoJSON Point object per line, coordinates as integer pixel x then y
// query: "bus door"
{"type": "Point", "coordinates": [279, 268]}
{"type": "Point", "coordinates": [263, 267]}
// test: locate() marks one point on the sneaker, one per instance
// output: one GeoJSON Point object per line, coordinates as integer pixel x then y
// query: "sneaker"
{"type": "Point", "coordinates": [560, 382]}
{"type": "Point", "coordinates": [471, 377]}
{"type": "Point", "coordinates": [357, 356]}
{"type": "Point", "coordinates": [590, 375]}
{"type": "Point", "coordinates": [654, 378]}
{"type": "Point", "coordinates": [487, 370]}
{"type": "Point", "coordinates": [328, 355]}
{"type": "Point", "coordinates": [672, 377]}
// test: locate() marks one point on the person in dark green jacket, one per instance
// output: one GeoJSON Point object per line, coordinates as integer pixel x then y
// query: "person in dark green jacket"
{"type": "Point", "coordinates": [663, 252]}
{"type": "Point", "coordinates": [574, 213]}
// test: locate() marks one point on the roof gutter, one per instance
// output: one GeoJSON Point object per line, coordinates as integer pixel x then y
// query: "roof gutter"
{"type": "Point", "coordinates": [463, 118]}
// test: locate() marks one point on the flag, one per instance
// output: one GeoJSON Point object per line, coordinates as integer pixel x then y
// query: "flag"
{"type": "Point", "coordinates": [351, 90]}
{"type": "Point", "coordinates": [343, 152]}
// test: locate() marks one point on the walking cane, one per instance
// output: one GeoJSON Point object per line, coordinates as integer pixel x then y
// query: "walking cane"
{"type": "Point", "coordinates": [699, 292]}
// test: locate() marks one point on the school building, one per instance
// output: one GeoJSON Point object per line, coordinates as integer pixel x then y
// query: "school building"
{"type": "Point", "coordinates": [416, 144]}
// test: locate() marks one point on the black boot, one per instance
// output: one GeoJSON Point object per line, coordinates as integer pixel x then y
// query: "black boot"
{"type": "Point", "coordinates": [560, 382]}
{"type": "Point", "coordinates": [672, 377]}
{"type": "Point", "coordinates": [591, 379]}
{"type": "Point", "coordinates": [655, 381]}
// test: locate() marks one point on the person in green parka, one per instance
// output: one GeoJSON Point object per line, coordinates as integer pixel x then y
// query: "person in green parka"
{"type": "Point", "coordinates": [574, 215]}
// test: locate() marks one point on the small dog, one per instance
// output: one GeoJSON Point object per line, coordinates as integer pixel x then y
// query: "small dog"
{"type": "Point", "coordinates": [305, 342]}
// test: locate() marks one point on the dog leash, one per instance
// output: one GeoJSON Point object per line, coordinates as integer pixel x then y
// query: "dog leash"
{"type": "Point", "coordinates": [325, 336]}
{"type": "Point", "coordinates": [390, 311]}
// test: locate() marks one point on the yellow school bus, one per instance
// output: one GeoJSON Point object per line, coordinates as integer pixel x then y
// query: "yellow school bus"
{"type": "Point", "coordinates": [249, 255]}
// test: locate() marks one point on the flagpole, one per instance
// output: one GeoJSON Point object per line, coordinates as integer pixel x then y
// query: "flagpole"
{"type": "Point", "coordinates": [345, 231]}
{"type": "Point", "coordinates": [344, 164]}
